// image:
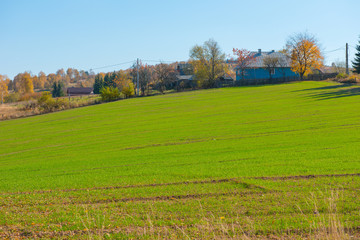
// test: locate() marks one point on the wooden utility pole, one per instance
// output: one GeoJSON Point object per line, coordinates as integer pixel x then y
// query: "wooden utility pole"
{"type": "Point", "coordinates": [347, 59]}
{"type": "Point", "coordinates": [137, 76]}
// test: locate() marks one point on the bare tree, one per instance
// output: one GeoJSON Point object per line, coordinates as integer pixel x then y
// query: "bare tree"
{"type": "Point", "coordinates": [283, 63]}
{"type": "Point", "coordinates": [145, 76]}
{"type": "Point", "coordinates": [165, 76]}
{"type": "Point", "coordinates": [270, 63]}
{"type": "Point", "coordinates": [339, 66]}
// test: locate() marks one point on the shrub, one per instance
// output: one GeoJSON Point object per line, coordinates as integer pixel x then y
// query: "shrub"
{"type": "Point", "coordinates": [128, 90]}
{"type": "Point", "coordinates": [30, 96]}
{"type": "Point", "coordinates": [341, 76]}
{"type": "Point", "coordinates": [12, 97]}
{"type": "Point", "coordinates": [350, 79]}
{"type": "Point", "coordinates": [47, 104]}
{"type": "Point", "coordinates": [30, 105]}
{"type": "Point", "coordinates": [45, 96]}
{"type": "Point", "coordinates": [109, 94]}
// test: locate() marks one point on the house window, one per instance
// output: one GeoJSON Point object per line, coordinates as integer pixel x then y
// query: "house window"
{"type": "Point", "coordinates": [272, 72]}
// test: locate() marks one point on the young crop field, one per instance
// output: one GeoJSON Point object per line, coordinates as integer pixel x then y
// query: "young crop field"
{"type": "Point", "coordinates": [275, 161]}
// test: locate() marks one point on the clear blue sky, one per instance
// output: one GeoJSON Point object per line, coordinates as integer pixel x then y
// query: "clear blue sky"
{"type": "Point", "coordinates": [48, 35]}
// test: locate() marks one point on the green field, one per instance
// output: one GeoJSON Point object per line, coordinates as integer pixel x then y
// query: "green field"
{"type": "Point", "coordinates": [256, 162]}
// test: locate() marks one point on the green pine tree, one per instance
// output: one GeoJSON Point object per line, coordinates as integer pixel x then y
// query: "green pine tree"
{"type": "Point", "coordinates": [99, 84]}
{"type": "Point", "coordinates": [57, 90]}
{"type": "Point", "coordinates": [60, 89]}
{"type": "Point", "coordinates": [54, 91]}
{"type": "Point", "coordinates": [356, 62]}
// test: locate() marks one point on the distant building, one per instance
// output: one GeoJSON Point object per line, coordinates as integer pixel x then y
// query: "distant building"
{"type": "Point", "coordinates": [257, 69]}
{"type": "Point", "coordinates": [184, 68]}
{"type": "Point", "coordinates": [76, 91]}
{"type": "Point", "coordinates": [185, 74]}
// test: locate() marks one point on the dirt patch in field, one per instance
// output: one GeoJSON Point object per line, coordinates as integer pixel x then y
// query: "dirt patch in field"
{"type": "Point", "coordinates": [168, 198]}
{"type": "Point", "coordinates": [306, 176]}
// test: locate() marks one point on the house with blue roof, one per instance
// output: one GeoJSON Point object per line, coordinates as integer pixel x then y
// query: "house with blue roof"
{"type": "Point", "coordinates": [258, 70]}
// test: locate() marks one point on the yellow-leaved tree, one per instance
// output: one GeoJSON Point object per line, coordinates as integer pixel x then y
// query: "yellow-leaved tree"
{"type": "Point", "coordinates": [305, 53]}
{"type": "Point", "coordinates": [208, 62]}
{"type": "Point", "coordinates": [3, 90]}
{"type": "Point", "coordinates": [24, 83]}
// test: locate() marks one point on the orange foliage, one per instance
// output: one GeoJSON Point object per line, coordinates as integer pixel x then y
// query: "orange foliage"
{"type": "Point", "coordinates": [24, 83]}
{"type": "Point", "coordinates": [122, 79]}
{"type": "Point", "coordinates": [243, 60]}
{"type": "Point", "coordinates": [3, 90]}
{"type": "Point", "coordinates": [305, 56]}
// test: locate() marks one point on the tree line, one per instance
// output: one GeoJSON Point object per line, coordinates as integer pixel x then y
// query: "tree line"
{"type": "Point", "coordinates": [25, 84]}
{"type": "Point", "coordinates": [207, 64]}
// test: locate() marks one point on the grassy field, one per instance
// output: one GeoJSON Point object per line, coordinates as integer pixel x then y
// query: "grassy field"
{"type": "Point", "coordinates": [276, 161]}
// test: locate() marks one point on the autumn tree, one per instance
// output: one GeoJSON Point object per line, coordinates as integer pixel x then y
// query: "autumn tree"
{"type": "Point", "coordinates": [120, 79]}
{"type": "Point", "coordinates": [3, 90]}
{"type": "Point", "coordinates": [243, 59]}
{"type": "Point", "coordinates": [41, 80]}
{"type": "Point", "coordinates": [128, 89]}
{"type": "Point", "coordinates": [61, 73]}
{"type": "Point", "coordinates": [51, 78]}
{"type": "Point", "coordinates": [76, 75]}
{"type": "Point", "coordinates": [70, 74]}
{"type": "Point", "coordinates": [145, 76]}
{"type": "Point", "coordinates": [270, 63]}
{"type": "Point", "coordinates": [305, 53]}
{"type": "Point", "coordinates": [356, 62]}
{"type": "Point", "coordinates": [208, 62]}
{"type": "Point", "coordinates": [36, 82]}
{"type": "Point", "coordinates": [7, 81]}
{"type": "Point", "coordinates": [165, 76]}
{"type": "Point", "coordinates": [23, 83]}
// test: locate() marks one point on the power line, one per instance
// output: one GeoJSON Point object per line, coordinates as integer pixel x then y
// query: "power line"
{"type": "Point", "coordinates": [159, 61]}
{"type": "Point", "coordinates": [114, 65]}
{"type": "Point", "coordinates": [338, 49]}
{"type": "Point", "coordinates": [144, 60]}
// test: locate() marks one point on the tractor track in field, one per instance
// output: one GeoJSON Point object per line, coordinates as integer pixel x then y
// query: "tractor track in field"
{"type": "Point", "coordinates": [306, 176]}
{"type": "Point", "coordinates": [156, 198]}
{"type": "Point", "coordinates": [210, 181]}
{"type": "Point", "coordinates": [167, 198]}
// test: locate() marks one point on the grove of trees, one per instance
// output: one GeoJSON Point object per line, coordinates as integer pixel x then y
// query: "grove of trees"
{"type": "Point", "coordinates": [207, 64]}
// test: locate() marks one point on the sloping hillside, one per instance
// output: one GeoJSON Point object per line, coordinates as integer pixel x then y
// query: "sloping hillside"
{"type": "Point", "coordinates": [231, 162]}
